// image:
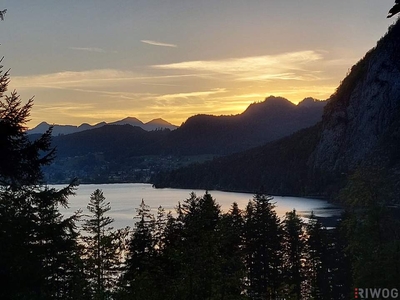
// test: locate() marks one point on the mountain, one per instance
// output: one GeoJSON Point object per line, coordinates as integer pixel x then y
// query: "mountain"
{"type": "Point", "coordinates": [125, 147]}
{"type": "Point", "coordinates": [157, 124]}
{"type": "Point", "coordinates": [261, 122]}
{"type": "Point", "coordinates": [202, 134]}
{"type": "Point", "coordinates": [69, 129]}
{"type": "Point", "coordinates": [359, 132]}
{"type": "Point", "coordinates": [57, 129]}
{"type": "Point", "coordinates": [113, 141]}
{"type": "Point", "coordinates": [129, 121]}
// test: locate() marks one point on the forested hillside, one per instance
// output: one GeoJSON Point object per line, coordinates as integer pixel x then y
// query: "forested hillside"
{"type": "Point", "coordinates": [198, 251]}
{"type": "Point", "coordinates": [125, 153]}
{"type": "Point", "coordinates": [359, 131]}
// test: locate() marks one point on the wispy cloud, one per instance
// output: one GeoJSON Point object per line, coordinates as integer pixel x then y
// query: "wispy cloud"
{"type": "Point", "coordinates": [90, 78]}
{"type": "Point", "coordinates": [88, 49]}
{"type": "Point", "coordinates": [71, 78]}
{"type": "Point", "coordinates": [155, 43]}
{"type": "Point", "coordinates": [286, 66]}
{"type": "Point", "coordinates": [201, 94]}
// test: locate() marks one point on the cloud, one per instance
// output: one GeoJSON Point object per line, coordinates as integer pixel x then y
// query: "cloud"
{"type": "Point", "coordinates": [68, 79]}
{"type": "Point", "coordinates": [155, 43]}
{"type": "Point", "coordinates": [286, 66]}
{"type": "Point", "coordinates": [191, 94]}
{"type": "Point", "coordinates": [90, 49]}
{"type": "Point", "coordinates": [91, 78]}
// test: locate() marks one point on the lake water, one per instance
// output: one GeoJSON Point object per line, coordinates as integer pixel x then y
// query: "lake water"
{"type": "Point", "coordinates": [125, 198]}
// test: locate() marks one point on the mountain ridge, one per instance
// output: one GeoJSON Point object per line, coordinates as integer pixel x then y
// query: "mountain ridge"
{"type": "Point", "coordinates": [359, 132]}
{"type": "Point", "coordinates": [201, 136]}
{"type": "Point", "coordinates": [58, 129]}
{"type": "Point", "coordinates": [261, 122]}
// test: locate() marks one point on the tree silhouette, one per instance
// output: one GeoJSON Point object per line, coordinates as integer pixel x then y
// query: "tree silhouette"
{"type": "Point", "coordinates": [2, 14]}
{"type": "Point", "coordinates": [395, 9]}
{"type": "Point", "coordinates": [38, 246]}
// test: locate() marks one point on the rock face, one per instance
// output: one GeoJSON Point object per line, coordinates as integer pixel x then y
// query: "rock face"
{"type": "Point", "coordinates": [363, 108]}
{"type": "Point", "coordinates": [359, 133]}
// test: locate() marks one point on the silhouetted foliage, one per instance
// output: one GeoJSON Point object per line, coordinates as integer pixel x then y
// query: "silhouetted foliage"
{"type": "Point", "coordinates": [39, 252]}
{"type": "Point", "coordinates": [103, 247]}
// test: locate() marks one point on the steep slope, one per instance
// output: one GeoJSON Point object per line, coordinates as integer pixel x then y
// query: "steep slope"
{"type": "Point", "coordinates": [261, 122]}
{"type": "Point", "coordinates": [201, 134]}
{"type": "Point", "coordinates": [359, 129]}
{"type": "Point", "coordinates": [126, 149]}
{"type": "Point", "coordinates": [363, 108]}
{"type": "Point", "coordinates": [276, 168]}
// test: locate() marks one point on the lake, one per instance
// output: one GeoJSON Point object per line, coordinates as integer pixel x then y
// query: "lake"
{"type": "Point", "coordinates": [126, 197]}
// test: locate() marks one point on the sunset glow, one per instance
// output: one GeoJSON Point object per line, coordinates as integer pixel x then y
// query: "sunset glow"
{"type": "Point", "coordinates": [92, 62]}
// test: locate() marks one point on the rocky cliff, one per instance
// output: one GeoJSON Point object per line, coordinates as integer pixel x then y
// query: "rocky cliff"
{"type": "Point", "coordinates": [362, 110]}
{"type": "Point", "coordinates": [359, 132]}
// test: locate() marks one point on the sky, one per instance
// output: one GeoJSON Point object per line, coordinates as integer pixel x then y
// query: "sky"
{"type": "Point", "coordinates": [91, 61]}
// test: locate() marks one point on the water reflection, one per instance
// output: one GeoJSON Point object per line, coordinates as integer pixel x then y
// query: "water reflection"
{"type": "Point", "coordinates": [125, 198]}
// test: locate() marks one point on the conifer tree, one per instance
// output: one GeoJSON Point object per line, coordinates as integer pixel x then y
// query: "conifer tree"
{"type": "Point", "coordinates": [137, 280]}
{"type": "Point", "coordinates": [371, 227]}
{"type": "Point", "coordinates": [201, 272]}
{"type": "Point", "coordinates": [171, 258]}
{"type": "Point", "coordinates": [263, 251]}
{"type": "Point", "coordinates": [102, 245]}
{"type": "Point", "coordinates": [233, 267]}
{"type": "Point", "coordinates": [318, 274]}
{"type": "Point", "coordinates": [294, 256]}
{"type": "Point", "coordinates": [38, 247]}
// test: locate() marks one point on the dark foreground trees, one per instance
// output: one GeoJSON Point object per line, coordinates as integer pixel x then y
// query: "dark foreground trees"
{"type": "Point", "coordinates": [202, 253]}
{"type": "Point", "coordinates": [197, 253]}
{"type": "Point", "coordinates": [263, 249]}
{"type": "Point", "coordinates": [39, 254]}
{"type": "Point", "coordinates": [103, 248]}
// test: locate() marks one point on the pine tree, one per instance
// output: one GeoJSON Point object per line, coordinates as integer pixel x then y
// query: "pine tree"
{"type": "Point", "coordinates": [38, 247]}
{"type": "Point", "coordinates": [138, 280]}
{"type": "Point", "coordinates": [318, 271]}
{"type": "Point", "coordinates": [102, 243]}
{"type": "Point", "coordinates": [371, 227]}
{"type": "Point", "coordinates": [263, 240]}
{"type": "Point", "coordinates": [201, 272]}
{"type": "Point", "coordinates": [294, 256]}
{"type": "Point", "coordinates": [231, 245]}
{"type": "Point", "coordinates": [339, 262]}
{"type": "Point", "coordinates": [171, 258]}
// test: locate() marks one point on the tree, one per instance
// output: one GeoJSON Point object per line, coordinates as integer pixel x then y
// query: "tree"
{"type": "Point", "coordinates": [2, 14]}
{"type": "Point", "coordinates": [371, 228]}
{"type": "Point", "coordinates": [39, 250]}
{"type": "Point", "coordinates": [318, 274]}
{"type": "Point", "coordinates": [231, 251]}
{"type": "Point", "coordinates": [294, 256]}
{"type": "Point", "coordinates": [263, 240]}
{"type": "Point", "coordinates": [21, 160]}
{"type": "Point", "coordinates": [137, 280]}
{"type": "Point", "coordinates": [201, 271]}
{"type": "Point", "coordinates": [103, 252]}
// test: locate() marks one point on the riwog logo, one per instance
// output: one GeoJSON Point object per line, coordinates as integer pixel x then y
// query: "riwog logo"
{"type": "Point", "coordinates": [376, 293]}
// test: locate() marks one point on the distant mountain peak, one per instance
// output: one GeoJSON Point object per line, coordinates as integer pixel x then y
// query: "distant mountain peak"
{"type": "Point", "coordinates": [310, 101]}
{"type": "Point", "coordinates": [158, 120]}
{"type": "Point", "coordinates": [43, 124]}
{"type": "Point", "coordinates": [159, 123]}
{"type": "Point", "coordinates": [128, 120]}
{"type": "Point", "coordinates": [132, 121]}
{"type": "Point", "coordinates": [275, 99]}
{"type": "Point", "coordinates": [271, 104]}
